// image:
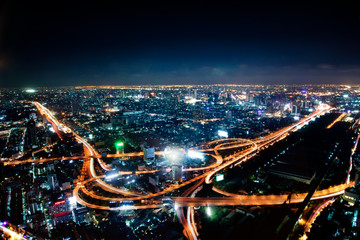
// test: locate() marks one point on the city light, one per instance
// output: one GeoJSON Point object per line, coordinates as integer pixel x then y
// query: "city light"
{"type": "Point", "coordinates": [30, 90]}
{"type": "Point", "coordinates": [222, 133]}
{"type": "Point", "coordinates": [60, 202]}
{"type": "Point", "coordinates": [191, 101]}
{"type": "Point", "coordinates": [303, 237]}
{"type": "Point", "coordinates": [174, 155]}
{"type": "Point", "coordinates": [219, 177]}
{"type": "Point", "coordinates": [287, 107]}
{"type": "Point", "coordinates": [195, 154]}
{"type": "Point", "coordinates": [119, 144]}
{"type": "Point", "coordinates": [72, 200]}
{"type": "Point", "coordinates": [208, 211]}
{"type": "Point", "coordinates": [111, 176]}
{"type": "Point", "coordinates": [126, 207]}
{"type": "Point", "coordinates": [301, 221]}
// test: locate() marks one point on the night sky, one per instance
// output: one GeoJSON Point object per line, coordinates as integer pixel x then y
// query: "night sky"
{"type": "Point", "coordinates": [91, 44]}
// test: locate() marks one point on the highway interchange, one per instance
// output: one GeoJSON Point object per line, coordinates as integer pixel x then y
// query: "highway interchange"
{"type": "Point", "coordinates": [248, 149]}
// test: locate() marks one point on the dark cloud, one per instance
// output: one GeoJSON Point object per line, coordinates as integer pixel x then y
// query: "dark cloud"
{"type": "Point", "coordinates": [325, 66]}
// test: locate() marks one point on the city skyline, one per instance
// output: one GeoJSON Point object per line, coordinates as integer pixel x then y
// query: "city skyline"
{"type": "Point", "coordinates": [176, 162]}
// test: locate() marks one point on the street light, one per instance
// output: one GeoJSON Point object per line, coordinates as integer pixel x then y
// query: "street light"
{"type": "Point", "coordinates": [208, 211]}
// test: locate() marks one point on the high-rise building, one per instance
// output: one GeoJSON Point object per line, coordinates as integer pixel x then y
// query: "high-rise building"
{"type": "Point", "coordinates": [294, 110]}
{"type": "Point", "coordinates": [75, 108]}
{"type": "Point", "coordinates": [228, 115]}
{"type": "Point", "coordinates": [305, 104]}
{"type": "Point", "coordinates": [176, 172]}
{"type": "Point", "coordinates": [81, 215]}
{"type": "Point", "coordinates": [48, 141]}
{"type": "Point", "coordinates": [250, 97]}
{"type": "Point", "coordinates": [149, 153]}
{"type": "Point", "coordinates": [32, 116]}
{"type": "Point", "coordinates": [357, 176]}
{"type": "Point", "coordinates": [213, 97]}
{"type": "Point", "coordinates": [52, 181]}
{"type": "Point", "coordinates": [32, 132]}
{"type": "Point", "coordinates": [44, 119]}
{"type": "Point", "coordinates": [60, 212]}
{"type": "Point", "coordinates": [154, 180]}
{"type": "Point", "coordinates": [198, 114]}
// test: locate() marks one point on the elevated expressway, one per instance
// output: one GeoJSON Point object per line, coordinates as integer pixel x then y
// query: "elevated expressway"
{"type": "Point", "coordinates": [258, 200]}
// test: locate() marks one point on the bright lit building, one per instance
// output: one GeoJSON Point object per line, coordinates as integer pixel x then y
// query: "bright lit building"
{"type": "Point", "coordinates": [149, 153]}
{"type": "Point", "coordinates": [223, 134]}
{"type": "Point", "coordinates": [352, 195]}
{"type": "Point", "coordinates": [119, 147]}
{"type": "Point", "coordinates": [60, 212]}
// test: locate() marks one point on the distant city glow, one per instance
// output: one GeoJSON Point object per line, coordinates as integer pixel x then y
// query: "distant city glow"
{"type": "Point", "coordinates": [30, 90]}
{"type": "Point", "coordinates": [166, 151]}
